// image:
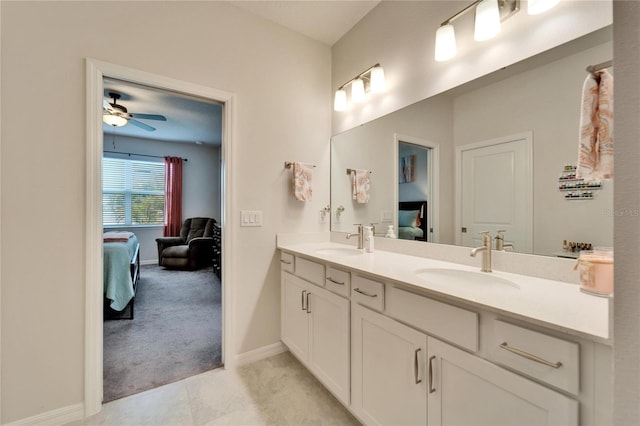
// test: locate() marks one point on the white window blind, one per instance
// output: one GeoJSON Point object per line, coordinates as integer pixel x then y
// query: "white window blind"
{"type": "Point", "coordinates": [132, 192]}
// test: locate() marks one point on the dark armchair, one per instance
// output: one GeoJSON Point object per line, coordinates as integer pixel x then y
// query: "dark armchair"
{"type": "Point", "coordinates": [193, 249]}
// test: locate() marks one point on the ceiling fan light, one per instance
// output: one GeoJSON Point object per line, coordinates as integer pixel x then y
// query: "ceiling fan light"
{"type": "Point", "coordinates": [535, 7]}
{"type": "Point", "coordinates": [357, 90]}
{"type": "Point", "coordinates": [377, 79]}
{"type": "Point", "coordinates": [445, 43]}
{"type": "Point", "coordinates": [487, 23]}
{"type": "Point", "coordinates": [114, 120]}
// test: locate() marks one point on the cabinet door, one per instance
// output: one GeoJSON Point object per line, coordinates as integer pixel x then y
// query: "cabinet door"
{"type": "Point", "coordinates": [467, 390]}
{"type": "Point", "coordinates": [329, 341]}
{"type": "Point", "coordinates": [293, 315]}
{"type": "Point", "coordinates": [387, 370]}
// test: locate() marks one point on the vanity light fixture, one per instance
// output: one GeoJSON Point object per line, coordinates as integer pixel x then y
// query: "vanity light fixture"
{"type": "Point", "coordinates": [488, 15]}
{"type": "Point", "coordinates": [372, 79]}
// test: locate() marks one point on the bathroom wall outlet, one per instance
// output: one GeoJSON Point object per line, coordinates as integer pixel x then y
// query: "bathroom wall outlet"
{"type": "Point", "coordinates": [251, 218]}
{"type": "Point", "coordinates": [386, 216]}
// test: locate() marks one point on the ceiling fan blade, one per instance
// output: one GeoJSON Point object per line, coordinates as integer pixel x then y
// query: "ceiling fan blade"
{"type": "Point", "coordinates": [150, 117]}
{"type": "Point", "coordinates": [142, 125]}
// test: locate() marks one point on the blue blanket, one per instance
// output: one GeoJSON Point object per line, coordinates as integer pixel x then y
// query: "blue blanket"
{"type": "Point", "coordinates": [118, 285]}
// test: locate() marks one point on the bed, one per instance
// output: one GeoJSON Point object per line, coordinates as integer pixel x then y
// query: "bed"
{"type": "Point", "coordinates": [121, 266]}
{"type": "Point", "coordinates": [412, 220]}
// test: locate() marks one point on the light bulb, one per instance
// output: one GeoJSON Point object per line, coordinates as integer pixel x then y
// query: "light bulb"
{"type": "Point", "coordinates": [377, 79]}
{"type": "Point", "coordinates": [445, 43]}
{"type": "Point", "coordinates": [487, 20]}
{"type": "Point", "coordinates": [114, 120]}
{"type": "Point", "coordinates": [535, 7]}
{"type": "Point", "coordinates": [357, 90]}
{"type": "Point", "coordinates": [340, 100]}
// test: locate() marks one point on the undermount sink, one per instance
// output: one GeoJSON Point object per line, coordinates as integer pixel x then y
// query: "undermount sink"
{"type": "Point", "coordinates": [339, 251]}
{"type": "Point", "coordinates": [461, 277]}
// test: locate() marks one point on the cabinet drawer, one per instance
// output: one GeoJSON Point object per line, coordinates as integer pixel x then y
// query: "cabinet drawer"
{"type": "Point", "coordinates": [287, 262]}
{"type": "Point", "coordinates": [310, 271]}
{"type": "Point", "coordinates": [368, 292]}
{"type": "Point", "coordinates": [338, 281]}
{"type": "Point", "coordinates": [445, 321]}
{"type": "Point", "coordinates": [549, 359]}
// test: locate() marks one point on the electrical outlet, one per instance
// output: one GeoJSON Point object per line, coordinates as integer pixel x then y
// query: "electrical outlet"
{"type": "Point", "coordinates": [386, 216]}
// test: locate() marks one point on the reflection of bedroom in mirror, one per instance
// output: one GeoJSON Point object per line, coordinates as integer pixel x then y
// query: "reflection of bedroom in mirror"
{"type": "Point", "coordinates": [415, 188]}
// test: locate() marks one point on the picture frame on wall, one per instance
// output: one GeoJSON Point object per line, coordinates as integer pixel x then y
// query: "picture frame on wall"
{"type": "Point", "coordinates": [407, 169]}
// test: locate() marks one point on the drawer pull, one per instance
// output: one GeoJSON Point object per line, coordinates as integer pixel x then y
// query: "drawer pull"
{"type": "Point", "coordinates": [334, 281]}
{"type": "Point", "coordinates": [431, 389]}
{"type": "Point", "coordinates": [365, 293]}
{"type": "Point", "coordinates": [302, 307]}
{"type": "Point", "coordinates": [308, 311]}
{"type": "Point", "coordinates": [286, 262]}
{"type": "Point", "coordinates": [527, 355]}
{"type": "Point", "coordinates": [416, 371]}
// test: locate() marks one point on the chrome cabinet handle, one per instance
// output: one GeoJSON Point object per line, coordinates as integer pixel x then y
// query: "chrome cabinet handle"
{"type": "Point", "coordinates": [365, 293]}
{"type": "Point", "coordinates": [416, 371]}
{"type": "Point", "coordinates": [431, 389]}
{"type": "Point", "coordinates": [527, 355]}
{"type": "Point", "coordinates": [334, 281]}
{"type": "Point", "coordinates": [308, 311]}
{"type": "Point", "coordinates": [286, 262]}
{"type": "Point", "coordinates": [302, 307]}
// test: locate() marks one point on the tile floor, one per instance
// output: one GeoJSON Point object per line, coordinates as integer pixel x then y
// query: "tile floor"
{"type": "Point", "coordinates": [274, 391]}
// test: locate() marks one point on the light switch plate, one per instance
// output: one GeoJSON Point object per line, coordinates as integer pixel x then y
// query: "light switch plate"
{"type": "Point", "coordinates": [251, 218]}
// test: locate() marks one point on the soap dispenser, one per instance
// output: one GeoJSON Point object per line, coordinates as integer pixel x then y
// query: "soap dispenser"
{"type": "Point", "coordinates": [390, 233]}
{"type": "Point", "coordinates": [368, 239]}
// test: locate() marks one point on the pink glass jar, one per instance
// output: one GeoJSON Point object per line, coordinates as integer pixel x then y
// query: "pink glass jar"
{"type": "Point", "coordinates": [596, 271]}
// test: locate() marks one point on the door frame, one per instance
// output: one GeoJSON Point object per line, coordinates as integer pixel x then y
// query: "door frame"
{"type": "Point", "coordinates": [434, 182]}
{"type": "Point", "coordinates": [96, 71]}
{"type": "Point", "coordinates": [528, 138]}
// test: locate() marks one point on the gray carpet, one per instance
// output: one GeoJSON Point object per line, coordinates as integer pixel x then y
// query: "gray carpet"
{"type": "Point", "coordinates": [176, 332]}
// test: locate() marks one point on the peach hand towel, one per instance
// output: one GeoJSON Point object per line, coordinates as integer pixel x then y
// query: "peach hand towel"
{"type": "Point", "coordinates": [595, 154]}
{"type": "Point", "coordinates": [302, 179]}
{"type": "Point", "coordinates": [360, 184]}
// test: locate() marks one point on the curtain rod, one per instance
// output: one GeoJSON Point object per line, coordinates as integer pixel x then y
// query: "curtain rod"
{"type": "Point", "coordinates": [139, 155]}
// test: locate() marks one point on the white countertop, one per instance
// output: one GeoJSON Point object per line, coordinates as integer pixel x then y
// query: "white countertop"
{"type": "Point", "coordinates": [555, 304]}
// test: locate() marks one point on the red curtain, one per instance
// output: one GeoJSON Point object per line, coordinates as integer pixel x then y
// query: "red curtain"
{"type": "Point", "coordinates": [172, 196]}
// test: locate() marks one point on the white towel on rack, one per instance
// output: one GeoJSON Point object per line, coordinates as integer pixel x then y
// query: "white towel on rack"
{"type": "Point", "coordinates": [302, 179]}
{"type": "Point", "coordinates": [595, 152]}
{"type": "Point", "coordinates": [360, 184]}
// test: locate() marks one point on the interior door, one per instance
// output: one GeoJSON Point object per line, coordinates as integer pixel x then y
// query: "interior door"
{"type": "Point", "coordinates": [496, 186]}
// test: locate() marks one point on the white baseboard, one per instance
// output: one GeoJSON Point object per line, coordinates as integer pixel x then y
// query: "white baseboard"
{"type": "Point", "coordinates": [59, 416]}
{"type": "Point", "coordinates": [260, 353]}
{"type": "Point", "coordinates": [149, 262]}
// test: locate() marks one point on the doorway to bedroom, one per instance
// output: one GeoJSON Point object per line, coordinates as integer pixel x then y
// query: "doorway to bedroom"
{"type": "Point", "coordinates": [161, 173]}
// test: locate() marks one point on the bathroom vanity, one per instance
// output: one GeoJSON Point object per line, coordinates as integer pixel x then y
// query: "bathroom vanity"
{"type": "Point", "coordinates": [403, 339]}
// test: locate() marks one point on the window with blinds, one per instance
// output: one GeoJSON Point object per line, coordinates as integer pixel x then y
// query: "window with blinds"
{"type": "Point", "coordinates": [132, 192]}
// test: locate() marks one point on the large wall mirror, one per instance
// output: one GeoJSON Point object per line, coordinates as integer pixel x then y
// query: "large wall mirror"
{"type": "Point", "coordinates": [487, 154]}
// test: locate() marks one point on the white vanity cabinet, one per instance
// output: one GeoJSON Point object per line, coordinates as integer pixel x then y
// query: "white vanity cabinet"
{"type": "Point", "coordinates": [464, 389]}
{"type": "Point", "coordinates": [396, 354]}
{"type": "Point", "coordinates": [388, 379]}
{"type": "Point", "coordinates": [315, 328]}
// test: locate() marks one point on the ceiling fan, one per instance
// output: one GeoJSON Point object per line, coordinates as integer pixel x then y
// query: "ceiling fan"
{"type": "Point", "coordinates": [117, 115]}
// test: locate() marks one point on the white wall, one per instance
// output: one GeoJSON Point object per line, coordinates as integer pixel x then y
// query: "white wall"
{"type": "Point", "coordinates": [545, 100]}
{"type": "Point", "coordinates": [282, 86]}
{"type": "Point", "coordinates": [200, 178]}
{"type": "Point", "coordinates": [401, 37]}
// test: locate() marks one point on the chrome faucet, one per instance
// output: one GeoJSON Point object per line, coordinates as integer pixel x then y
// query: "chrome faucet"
{"type": "Point", "coordinates": [486, 251]}
{"type": "Point", "coordinates": [500, 244]}
{"type": "Point", "coordinates": [360, 235]}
